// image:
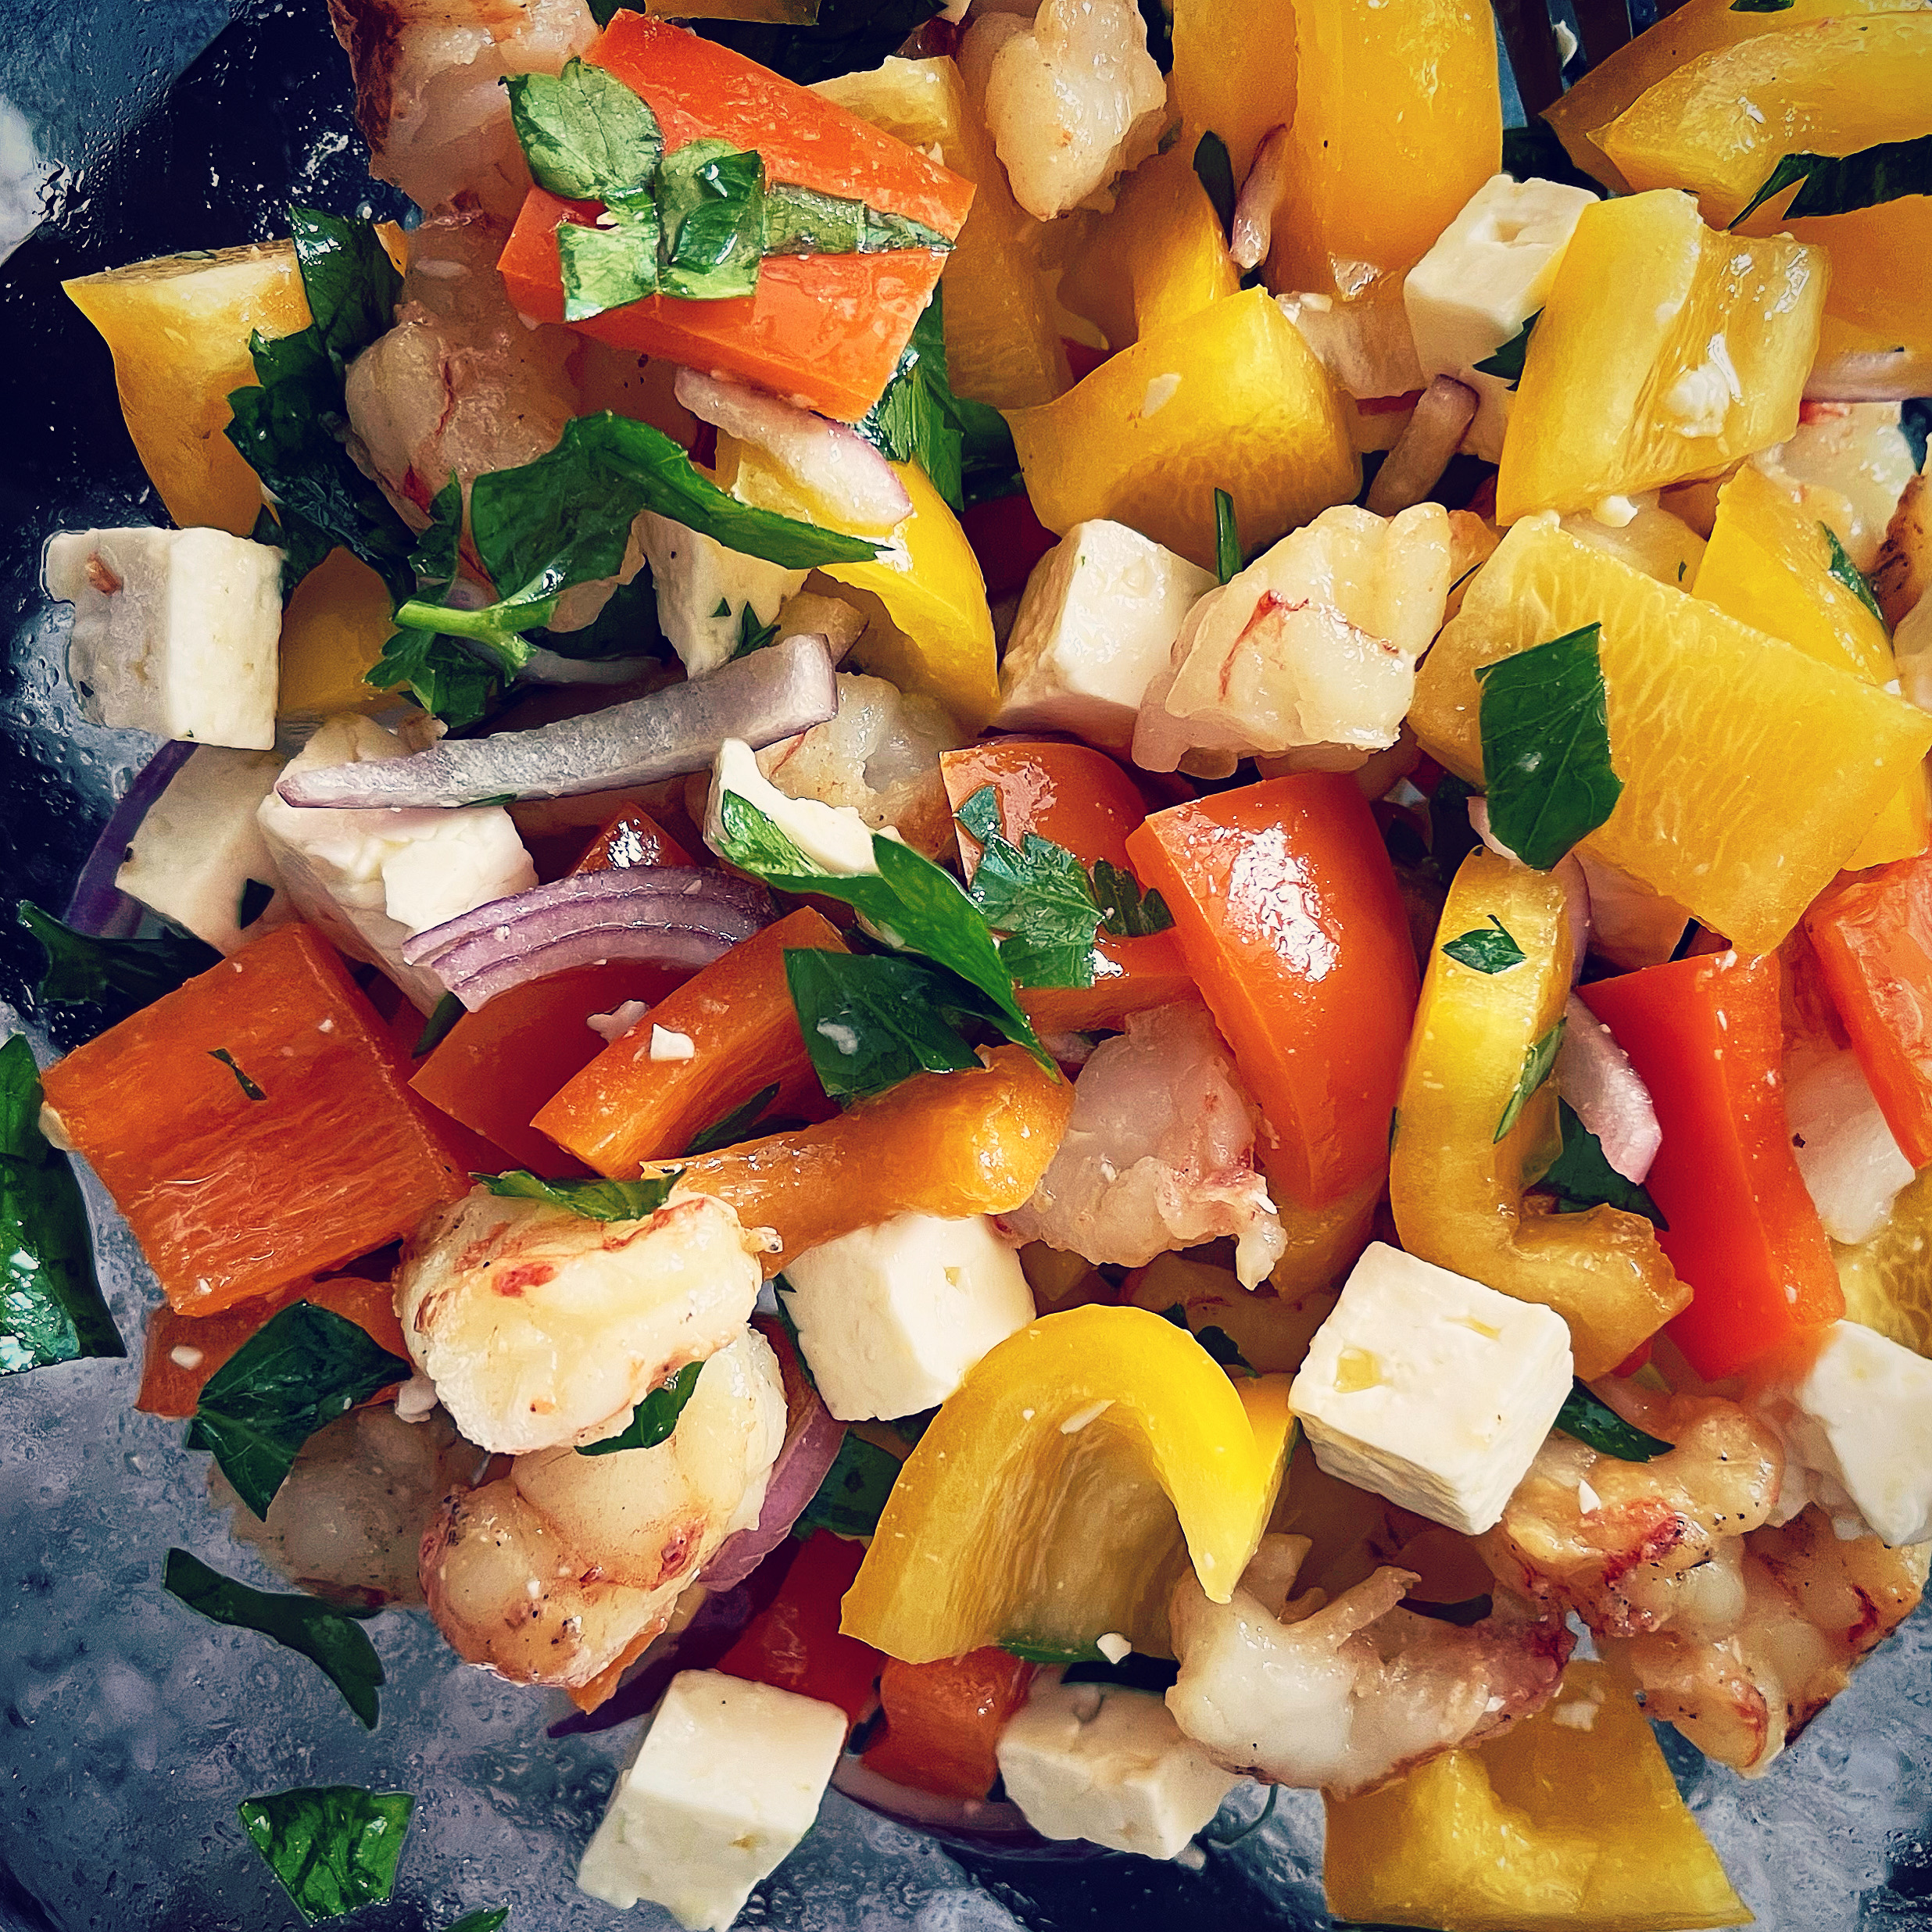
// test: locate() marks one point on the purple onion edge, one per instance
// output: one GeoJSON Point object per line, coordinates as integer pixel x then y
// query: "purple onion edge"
{"type": "Point", "coordinates": [97, 906]}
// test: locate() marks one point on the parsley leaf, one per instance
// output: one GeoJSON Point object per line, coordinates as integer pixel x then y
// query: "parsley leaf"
{"type": "Point", "coordinates": [803, 221]}
{"type": "Point", "coordinates": [1218, 1342]}
{"type": "Point", "coordinates": [1535, 1069]}
{"type": "Point", "coordinates": [490, 1920]}
{"type": "Point", "coordinates": [752, 634]}
{"type": "Point", "coordinates": [1544, 720]}
{"type": "Point", "coordinates": [870, 1020]}
{"type": "Point", "coordinates": [1591, 1421]}
{"type": "Point", "coordinates": [1581, 1178]}
{"type": "Point", "coordinates": [711, 205]}
{"type": "Point", "coordinates": [850, 1499]}
{"type": "Point", "coordinates": [594, 1200]}
{"type": "Point", "coordinates": [50, 1308]}
{"type": "Point", "coordinates": [446, 681]}
{"type": "Point", "coordinates": [1227, 538]}
{"type": "Point", "coordinates": [82, 970]}
{"type": "Point", "coordinates": [1849, 574]}
{"type": "Point", "coordinates": [654, 1419]}
{"type": "Point", "coordinates": [1761, 6]}
{"type": "Point", "coordinates": [1214, 167]}
{"type": "Point", "coordinates": [731, 1128]}
{"type": "Point", "coordinates": [1491, 952]}
{"type": "Point", "coordinates": [585, 135]}
{"type": "Point", "coordinates": [918, 419]}
{"type": "Point", "coordinates": [325, 1633]}
{"type": "Point", "coordinates": [228, 1060]}
{"type": "Point", "coordinates": [298, 1371]}
{"type": "Point", "coordinates": [334, 1847]}
{"type": "Point", "coordinates": [1839, 184]}
{"type": "Point", "coordinates": [1129, 910]}
{"type": "Point", "coordinates": [1506, 362]}
{"type": "Point", "coordinates": [437, 1028]}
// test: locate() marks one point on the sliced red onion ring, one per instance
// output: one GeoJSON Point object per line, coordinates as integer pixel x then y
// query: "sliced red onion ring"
{"type": "Point", "coordinates": [671, 915]}
{"type": "Point", "coordinates": [96, 905]}
{"type": "Point", "coordinates": [772, 694]}
{"type": "Point", "coordinates": [810, 1450]}
{"type": "Point", "coordinates": [1253, 227]}
{"type": "Point", "coordinates": [850, 477]}
{"type": "Point", "coordinates": [1594, 1074]}
{"type": "Point", "coordinates": [1415, 464]}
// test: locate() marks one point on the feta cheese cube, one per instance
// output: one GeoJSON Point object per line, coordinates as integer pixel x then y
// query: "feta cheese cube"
{"type": "Point", "coordinates": [175, 631]}
{"type": "Point", "coordinates": [1489, 270]}
{"type": "Point", "coordinates": [703, 589]}
{"type": "Point", "coordinates": [201, 845]}
{"type": "Point", "coordinates": [1109, 1765]}
{"type": "Point", "coordinates": [1430, 1389]}
{"type": "Point", "coordinates": [727, 1781]}
{"type": "Point", "coordinates": [892, 1317]}
{"type": "Point", "coordinates": [1857, 1426]}
{"type": "Point", "coordinates": [1097, 622]}
{"type": "Point", "coordinates": [835, 836]}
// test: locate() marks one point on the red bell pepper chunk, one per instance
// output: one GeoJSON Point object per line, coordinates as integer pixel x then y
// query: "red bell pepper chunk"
{"type": "Point", "coordinates": [632, 837]}
{"type": "Point", "coordinates": [1008, 539]}
{"type": "Point", "coordinates": [794, 1643]}
{"type": "Point", "coordinates": [1706, 1036]}
{"type": "Point", "coordinates": [943, 1720]}
{"type": "Point", "coordinates": [1872, 933]}
{"type": "Point", "coordinates": [825, 329]}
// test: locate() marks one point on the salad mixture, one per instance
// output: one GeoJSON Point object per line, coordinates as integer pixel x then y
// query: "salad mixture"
{"type": "Point", "coordinates": [1037, 914]}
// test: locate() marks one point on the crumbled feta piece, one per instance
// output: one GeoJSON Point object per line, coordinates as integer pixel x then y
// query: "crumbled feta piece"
{"type": "Point", "coordinates": [1430, 1389]}
{"type": "Point", "coordinates": [1109, 1765]}
{"type": "Point", "coordinates": [1113, 1646]}
{"type": "Point", "coordinates": [666, 1044]}
{"type": "Point", "coordinates": [611, 1027]}
{"type": "Point", "coordinates": [703, 590]}
{"type": "Point", "coordinates": [834, 836]}
{"type": "Point", "coordinates": [727, 1781]}
{"type": "Point", "coordinates": [1097, 625]}
{"type": "Point", "coordinates": [892, 1317]}
{"type": "Point", "coordinates": [175, 631]}
{"type": "Point", "coordinates": [1489, 272]}
{"type": "Point", "coordinates": [1700, 399]}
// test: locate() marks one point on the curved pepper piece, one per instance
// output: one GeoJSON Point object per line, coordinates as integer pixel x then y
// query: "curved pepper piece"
{"type": "Point", "coordinates": [1456, 1180]}
{"type": "Point", "coordinates": [1063, 1487]}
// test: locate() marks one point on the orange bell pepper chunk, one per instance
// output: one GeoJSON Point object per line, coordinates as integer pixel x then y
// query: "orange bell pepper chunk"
{"type": "Point", "coordinates": [625, 1108]}
{"type": "Point", "coordinates": [1706, 1036]}
{"type": "Point", "coordinates": [951, 1144]}
{"type": "Point", "coordinates": [1081, 799]}
{"type": "Point", "coordinates": [794, 1641]}
{"type": "Point", "coordinates": [943, 1721]}
{"type": "Point", "coordinates": [824, 329]}
{"type": "Point", "coordinates": [231, 1195]}
{"type": "Point", "coordinates": [1287, 912]}
{"type": "Point", "coordinates": [1872, 936]}
{"type": "Point", "coordinates": [632, 837]}
{"type": "Point", "coordinates": [183, 1350]}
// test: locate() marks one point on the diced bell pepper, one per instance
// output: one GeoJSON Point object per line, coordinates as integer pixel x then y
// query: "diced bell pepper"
{"type": "Point", "coordinates": [795, 1642]}
{"type": "Point", "coordinates": [333, 631]}
{"type": "Point", "coordinates": [943, 1721]}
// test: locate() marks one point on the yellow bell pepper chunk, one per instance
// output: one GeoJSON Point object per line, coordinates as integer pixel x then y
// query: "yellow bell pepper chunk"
{"type": "Point", "coordinates": [1456, 1181]}
{"type": "Point", "coordinates": [1707, 721]}
{"type": "Point", "coordinates": [1234, 73]}
{"type": "Point", "coordinates": [1230, 398]}
{"type": "Point", "coordinates": [1903, 830]}
{"type": "Point", "coordinates": [1272, 1331]}
{"type": "Point", "coordinates": [1719, 126]}
{"type": "Point", "coordinates": [1570, 1819]}
{"type": "Point", "coordinates": [1886, 1281]}
{"type": "Point", "coordinates": [1664, 351]}
{"type": "Point", "coordinates": [1065, 1485]}
{"type": "Point", "coordinates": [1001, 345]}
{"type": "Point", "coordinates": [333, 631]}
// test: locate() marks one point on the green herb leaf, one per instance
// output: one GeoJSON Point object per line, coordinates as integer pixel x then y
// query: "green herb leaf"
{"type": "Point", "coordinates": [247, 1086]}
{"type": "Point", "coordinates": [731, 1128]}
{"type": "Point", "coordinates": [334, 1848]}
{"type": "Point", "coordinates": [1038, 894]}
{"type": "Point", "coordinates": [1028, 1651]}
{"type": "Point", "coordinates": [1848, 573]}
{"type": "Point", "coordinates": [850, 1500]}
{"type": "Point", "coordinates": [803, 221]}
{"type": "Point", "coordinates": [351, 285]}
{"type": "Point", "coordinates": [1216, 170]}
{"type": "Point", "coordinates": [990, 463]}
{"type": "Point", "coordinates": [326, 1635]}
{"type": "Point", "coordinates": [870, 1020]}
{"type": "Point", "coordinates": [752, 634]}
{"type": "Point", "coordinates": [298, 1371]}
{"type": "Point", "coordinates": [490, 1920]}
{"type": "Point", "coordinates": [1535, 1069]}
{"type": "Point", "coordinates": [1129, 910]}
{"type": "Point", "coordinates": [1761, 6]}
{"type": "Point", "coordinates": [585, 135]}
{"type": "Point", "coordinates": [443, 1016]}
{"type": "Point", "coordinates": [594, 1200]}
{"type": "Point", "coordinates": [1546, 747]}
{"type": "Point", "coordinates": [1535, 151]}
{"type": "Point", "coordinates": [1593, 1422]}
{"type": "Point", "coordinates": [918, 419]}
{"type": "Point", "coordinates": [849, 35]}
{"type": "Point", "coordinates": [50, 1308]}
{"type": "Point", "coordinates": [654, 1419]}
{"type": "Point", "coordinates": [610, 263]}
{"type": "Point", "coordinates": [446, 680]}
{"type": "Point", "coordinates": [1227, 538]}
{"type": "Point", "coordinates": [710, 203]}
{"type": "Point", "coordinates": [1495, 951]}
{"type": "Point", "coordinates": [1838, 184]}
{"type": "Point", "coordinates": [1508, 361]}
{"type": "Point", "coordinates": [1582, 1178]}
{"type": "Point", "coordinates": [82, 970]}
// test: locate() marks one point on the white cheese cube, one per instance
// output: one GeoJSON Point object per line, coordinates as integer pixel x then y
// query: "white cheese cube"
{"type": "Point", "coordinates": [727, 1781]}
{"type": "Point", "coordinates": [201, 847]}
{"type": "Point", "coordinates": [1490, 270]}
{"type": "Point", "coordinates": [892, 1317]}
{"type": "Point", "coordinates": [1095, 625]}
{"type": "Point", "coordinates": [1109, 1765]}
{"type": "Point", "coordinates": [1430, 1389]}
{"type": "Point", "coordinates": [1857, 1427]}
{"type": "Point", "coordinates": [175, 631]}
{"type": "Point", "coordinates": [373, 879]}
{"type": "Point", "coordinates": [703, 589]}
{"type": "Point", "coordinates": [834, 836]}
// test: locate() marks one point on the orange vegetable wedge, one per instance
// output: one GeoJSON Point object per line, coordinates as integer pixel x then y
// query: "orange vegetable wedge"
{"type": "Point", "coordinates": [943, 1720]}
{"type": "Point", "coordinates": [633, 837]}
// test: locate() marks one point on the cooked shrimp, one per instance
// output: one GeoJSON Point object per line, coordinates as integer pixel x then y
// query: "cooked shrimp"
{"type": "Point", "coordinates": [429, 92]}
{"type": "Point", "coordinates": [568, 1566]}
{"type": "Point", "coordinates": [1345, 1695]}
{"type": "Point", "coordinates": [1159, 1153]}
{"type": "Point", "coordinates": [540, 1328]}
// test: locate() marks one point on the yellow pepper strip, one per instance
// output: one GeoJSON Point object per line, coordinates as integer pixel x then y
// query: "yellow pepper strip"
{"type": "Point", "coordinates": [1456, 1181]}
{"type": "Point", "coordinates": [1063, 1488]}
{"type": "Point", "coordinates": [1569, 1819]}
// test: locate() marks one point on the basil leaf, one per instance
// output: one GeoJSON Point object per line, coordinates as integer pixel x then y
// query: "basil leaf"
{"type": "Point", "coordinates": [82, 970]}
{"type": "Point", "coordinates": [1848, 573]}
{"type": "Point", "coordinates": [654, 1419]}
{"type": "Point", "coordinates": [328, 1636]}
{"type": "Point", "coordinates": [334, 1847]}
{"type": "Point", "coordinates": [445, 680]}
{"type": "Point", "coordinates": [1581, 1178]}
{"type": "Point", "coordinates": [918, 419]}
{"type": "Point", "coordinates": [1593, 1421]}
{"type": "Point", "coordinates": [870, 1020]}
{"type": "Point", "coordinates": [1546, 747]}
{"type": "Point", "coordinates": [437, 1028]}
{"type": "Point", "coordinates": [848, 36]}
{"type": "Point", "coordinates": [1129, 910]}
{"type": "Point", "coordinates": [585, 135]}
{"type": "Point", "coordinates": [50, 1308]}
{"type": "Point", "coordinates": [298, 1371]}
{"type": "Point", "coordinates": [1535, 1069]}
{"type": "Point", "coordinates": [1506, 362]}
{"type": "Point", "coordinates": [1491, 952]}
{"type": "Point", "coordinates": [1216, 170]}
{"type": "Point", "coordinates": [489, 1920]}
{"type": "Point", "coordinates": [228, 1060]}
{"type": "Point", "coordinates": [594, 1200]}
{"type": "Point", "coordinates": [1839, 184]}
{"type": "Point", "coordinates": [609, 264]}
{"type": "Point", "coordinates": [733, 1127]}
{"type": "Point", "coordinates": [710, 203]}
{"type": "Point", "coordinates": [1227, 538]}
{"type": "Point", "coordinates": [849, 1501]}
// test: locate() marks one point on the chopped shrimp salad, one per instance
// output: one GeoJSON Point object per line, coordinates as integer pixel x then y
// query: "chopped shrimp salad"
{"type": "Point", "coordinates": [1038, 918]}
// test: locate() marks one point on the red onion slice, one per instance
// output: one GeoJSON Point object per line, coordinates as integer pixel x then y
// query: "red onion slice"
{"type": "Point", "coordinates": [96, 906]}
{"type": "Point", "coordinates": [671, 915]}
{"type": "Point", "coordinates": [1253, 227]}
{"type": "Point", "coordinates": [1415, 464]}
{"type": "Point", "coordinates": [1594, 1074]}
{"type": "Point", "coordinates": [772, 694]}
{"type": "Point", "coordinates": [810, 1450]}
{"type": "Point", "coordinates": [833, 461]}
